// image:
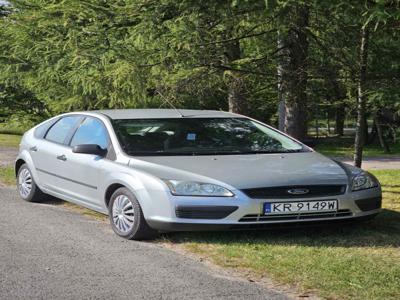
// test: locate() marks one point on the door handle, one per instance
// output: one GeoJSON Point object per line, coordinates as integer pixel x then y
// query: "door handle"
{"type": "Point", "coordinates": [34, 148]}
{"type": "Point", "coordinates": [62, 157]}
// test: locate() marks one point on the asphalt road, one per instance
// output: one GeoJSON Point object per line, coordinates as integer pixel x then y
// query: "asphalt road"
{"type": "Point", "coordinates": [50, 252]}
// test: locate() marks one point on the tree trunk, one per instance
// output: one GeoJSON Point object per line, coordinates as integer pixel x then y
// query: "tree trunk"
{"type": "Point", "coordinates": [339, 120]}
{"type": "Point", "coordinates": [361, 121]}
{"type": "Point", "coordinates": [328, 123]}
{"type": "Point", "coordinates": [294, 72]}
{"type": "Point", "coordinates": [281, 115]}
{"type": "Point", "coordinates": [236, 99]}
{"type": "Point", "coordinates": [372, 136]}
{"type": "Point", "coordinates": [339, 93]}
{"type": "Point", "coordinates": [366, 130]}
{"type": "Point", "coordinates": [316, 123]}
{"type": "Point", "coordinates": [236, 87]}
{"type": "Point", "coordinates": [382, 141]}
{"type": "Point", "coordinates": [295, 120]}
{"type": "Point", "coordinates": [282, 64]}
{"type": "Point", "coordinates": [394, 134]}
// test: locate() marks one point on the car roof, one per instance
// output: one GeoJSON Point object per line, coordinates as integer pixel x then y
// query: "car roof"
{"type": "Point", "coordinates": [163, 113]}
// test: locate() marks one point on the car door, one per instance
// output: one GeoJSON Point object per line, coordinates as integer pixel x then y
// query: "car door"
{"type": "Point", "coordinates": [47, 152]}
{"type": "Point", "coordinates": [87, 170]}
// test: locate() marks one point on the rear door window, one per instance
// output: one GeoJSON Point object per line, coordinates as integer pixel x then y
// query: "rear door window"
{"type": "Point", "coordinates": [60, 131]}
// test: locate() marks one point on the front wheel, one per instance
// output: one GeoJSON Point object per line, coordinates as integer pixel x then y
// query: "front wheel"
{"type": "Point", "coordinates": [26, 185]}
{"type": "Point", "coordinates": [126, 217]}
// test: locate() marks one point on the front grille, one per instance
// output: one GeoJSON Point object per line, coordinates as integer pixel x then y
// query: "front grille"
{"type": "Point", "coordinates": [369, 204]}
{"type": "Point", "coordinates": [299, 216]}
{"type": "Point", "coordinates": [204, 212]}
{"type": "Point", "coordinates": [282, 191]}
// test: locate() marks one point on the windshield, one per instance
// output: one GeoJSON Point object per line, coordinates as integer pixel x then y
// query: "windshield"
{"type": "Point", "coordinates": [200, 136]}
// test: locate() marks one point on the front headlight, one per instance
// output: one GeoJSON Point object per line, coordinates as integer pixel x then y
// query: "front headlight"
{"type": "Point", "coordinates": [363, 181]}
{"type": "Point", "coordinates": [192, 188]}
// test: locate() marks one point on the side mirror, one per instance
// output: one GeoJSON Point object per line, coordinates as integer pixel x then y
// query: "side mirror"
{"type": "Point", "coordinates": [90, 149]}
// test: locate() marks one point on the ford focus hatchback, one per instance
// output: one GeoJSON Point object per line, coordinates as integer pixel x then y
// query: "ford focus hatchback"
{"type": "Point", "coordinates": [168, 170]}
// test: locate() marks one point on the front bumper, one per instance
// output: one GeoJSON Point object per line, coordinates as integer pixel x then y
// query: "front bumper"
{"type": "Point", "coordinates": [169, 227]}
{"type": "Point", "coordinates": [241, 212]}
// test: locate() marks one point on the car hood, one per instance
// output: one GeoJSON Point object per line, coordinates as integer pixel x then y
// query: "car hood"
{"type": "Point", "coordinates": [246, 171]}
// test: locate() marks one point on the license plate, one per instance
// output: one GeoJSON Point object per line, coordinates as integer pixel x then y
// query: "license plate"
{"type": "Point", "coordinates": [301, 206]}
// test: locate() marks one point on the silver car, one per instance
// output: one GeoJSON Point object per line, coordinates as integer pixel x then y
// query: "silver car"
{"type": "Point", "coordinates": [155, 170]}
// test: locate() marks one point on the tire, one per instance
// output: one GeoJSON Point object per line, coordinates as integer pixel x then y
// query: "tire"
{"type": "Point", "coordinates": [27, 187]}
{"type": "Point", "coordinates": [126, 217]}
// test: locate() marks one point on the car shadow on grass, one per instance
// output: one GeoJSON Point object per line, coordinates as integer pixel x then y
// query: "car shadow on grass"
{"type": "Point", "coordinates": [383, 231]}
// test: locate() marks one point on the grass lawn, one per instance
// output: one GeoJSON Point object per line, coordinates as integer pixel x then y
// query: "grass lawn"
{"type": "Point", "coordinates": [7, 176]}
{"type": "Point", "coordinates": [344, 146]}
{"type": "Point", "coordinates": [344, 262]}
{"type": "Point", "coordinates": [9, 140]}
{"type": "Point", "coordinates": [13, 130]}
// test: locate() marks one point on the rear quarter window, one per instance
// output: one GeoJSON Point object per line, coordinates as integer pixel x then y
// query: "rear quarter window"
{"type": "Point", "coordinates": [42, 129]}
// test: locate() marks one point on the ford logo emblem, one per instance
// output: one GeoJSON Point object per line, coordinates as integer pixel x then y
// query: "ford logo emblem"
{"type": "Point", "coordinates": [298, 191]}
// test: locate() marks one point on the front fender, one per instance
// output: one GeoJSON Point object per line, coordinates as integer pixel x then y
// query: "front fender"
{"type": "Point", "coordinates": [141, 186]}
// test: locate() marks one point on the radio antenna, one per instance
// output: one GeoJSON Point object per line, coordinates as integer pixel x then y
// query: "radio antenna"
{"type": "Point", "coordinates": [170, 103]}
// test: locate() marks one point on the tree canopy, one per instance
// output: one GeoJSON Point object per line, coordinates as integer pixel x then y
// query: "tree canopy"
{"type": "Point", "coordinates": [242, 55]}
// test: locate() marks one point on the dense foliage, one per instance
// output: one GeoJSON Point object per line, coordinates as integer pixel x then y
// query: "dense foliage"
{"type": "Point", "coordinates": [241, 55]}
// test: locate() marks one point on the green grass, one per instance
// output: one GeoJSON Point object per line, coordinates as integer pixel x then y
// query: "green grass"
{"type": "Point", "coordinates": [9, 140]}
{"type": "Point", "coordinates": [15, 126]}
{"type": "Point", "coordinates": [344, 146]}
{"type": "Point", "coordinates": [343, 262]}
{"type": "Point", "coordinates": [7, 175]}
{"type": "Point", "coordinates": [12, 131]}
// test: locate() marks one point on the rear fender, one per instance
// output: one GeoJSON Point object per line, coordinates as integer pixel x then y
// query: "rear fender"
{"type": "Point", "coordinates": [26, 157]}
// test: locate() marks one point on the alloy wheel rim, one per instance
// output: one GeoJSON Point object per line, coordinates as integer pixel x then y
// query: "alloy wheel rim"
{"type": "Point", "coordinates": [25, 183]}
{"type": "Point", "coordinates": [123, 214]}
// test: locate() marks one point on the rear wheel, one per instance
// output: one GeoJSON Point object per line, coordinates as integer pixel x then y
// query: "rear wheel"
{"type": "Point", "coordinates": [26, 185]}
{"type": "Point", "coordinates": [126, 217]}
